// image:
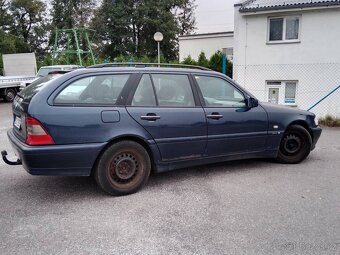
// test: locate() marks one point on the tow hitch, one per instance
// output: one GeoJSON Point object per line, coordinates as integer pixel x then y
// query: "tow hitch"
{"type": "Point", "coordinates": [12, 163]}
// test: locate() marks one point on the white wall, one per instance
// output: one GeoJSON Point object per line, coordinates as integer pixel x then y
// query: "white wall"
{"type": "Point", "coordinates": [209, 44]}
{"type": "Point", "coordinates": [314, 62]}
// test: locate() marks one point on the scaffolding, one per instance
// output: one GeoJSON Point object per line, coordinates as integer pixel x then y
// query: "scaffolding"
{"type": "Point", "coordinates": [73, 42]}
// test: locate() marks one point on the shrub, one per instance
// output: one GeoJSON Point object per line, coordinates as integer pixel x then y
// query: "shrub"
{"type": "Point", "coordinates": [202, 60]}
{"type": "Point", "coordinates": [330, 121]}
{"type": "Point", "coordinates": [215, 62]}
{"type": "Point", "coordinates": [189, 61]}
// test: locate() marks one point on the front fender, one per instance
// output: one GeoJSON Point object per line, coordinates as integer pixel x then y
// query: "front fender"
{"type": "Point", "coordinates": [281, 117]}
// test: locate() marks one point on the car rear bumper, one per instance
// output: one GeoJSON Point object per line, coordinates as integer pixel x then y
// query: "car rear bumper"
{"type": "Point", "coordinates": [316, 135]}
{"type": "Point", "coordinates": [60, 160]}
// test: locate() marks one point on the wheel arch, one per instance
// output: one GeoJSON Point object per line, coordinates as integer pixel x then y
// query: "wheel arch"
{"type": "Point", "coordinates": [133, 138]}
{"type": "Point", "coordinates": [304, 124]}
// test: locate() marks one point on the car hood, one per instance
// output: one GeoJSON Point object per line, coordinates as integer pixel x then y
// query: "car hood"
{"type": "Point", "coordinates": [284, 109]}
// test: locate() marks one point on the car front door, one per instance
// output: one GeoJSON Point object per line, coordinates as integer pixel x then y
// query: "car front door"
{"type": "Point", "coordinates": [233, 128]}
{"type": "Point", "coordinates": [164, 104]}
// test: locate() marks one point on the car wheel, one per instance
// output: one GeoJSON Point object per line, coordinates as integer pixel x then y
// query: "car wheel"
{"type": "Point", "coordinates": [123, 168]}
{"type": "Point", "coordinates": [295, 145]}
{"type": "Point", "coordinates": [10, 95]}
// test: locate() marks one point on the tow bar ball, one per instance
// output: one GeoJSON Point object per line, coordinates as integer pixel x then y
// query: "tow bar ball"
{"type": "Point", "coordinates": [12, 163]}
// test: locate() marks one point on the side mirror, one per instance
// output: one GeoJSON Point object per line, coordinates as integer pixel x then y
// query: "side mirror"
{"type": "Point", "coordinates": [252, 102]}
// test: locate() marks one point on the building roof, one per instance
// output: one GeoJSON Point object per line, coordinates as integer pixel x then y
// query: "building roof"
{"type": "Point", "coordinates": [266, 5]}
{"type": "Point", "coordinates": [207, 35]}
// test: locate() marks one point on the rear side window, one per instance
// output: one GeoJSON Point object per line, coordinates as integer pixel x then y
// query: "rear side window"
{"type": "Point", "coordinates": [101, 89]}
{"type": "Point", "coordinates": [167, 90]}
{"type": "Point", "coordinates": [173, 90]}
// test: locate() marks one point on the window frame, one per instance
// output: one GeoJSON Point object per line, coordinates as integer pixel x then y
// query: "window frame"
{"type": "Point", "coordinates": [284, 40]}
{"type": "Point", "coordinates": [201, 97]}
{"type": "Point", "coordinates": [282, 91]}
{"type": "Point", "coordinates": [137, 81]}
{"type": "Point", "coordinates": [121, 97]}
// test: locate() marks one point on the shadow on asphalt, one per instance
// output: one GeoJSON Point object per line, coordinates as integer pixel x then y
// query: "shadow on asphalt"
{"type": "Point", "coordinates": [50, 188]}
{"type": "Point", "coordinates": [205, 171]}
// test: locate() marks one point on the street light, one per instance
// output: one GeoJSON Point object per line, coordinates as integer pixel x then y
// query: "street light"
{"type": "Point", "coordinates": [158, 38]}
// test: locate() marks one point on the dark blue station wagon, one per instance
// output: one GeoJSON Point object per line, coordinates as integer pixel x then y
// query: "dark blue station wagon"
{"type": "Point", "coordinates": [118, 124]}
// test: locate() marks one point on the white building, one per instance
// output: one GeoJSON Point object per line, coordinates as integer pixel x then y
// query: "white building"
{"type": "Point", "coordinates": [193, 45]}
{"type": "Point", "coordinates": [288, 51]}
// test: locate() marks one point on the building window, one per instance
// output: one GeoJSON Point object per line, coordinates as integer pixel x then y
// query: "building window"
{"type": "Point", "coordinates": [284, 29]}
{"type": "Point", "coordinates": [290, 92]}
{"type": "Point", "coordinates": [282, 92]}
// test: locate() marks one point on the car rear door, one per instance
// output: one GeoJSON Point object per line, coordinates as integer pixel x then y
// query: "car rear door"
{"type": "Point", "coordinates": [165, 105]}
{"type": "Point", "coordinates": [233, 128]}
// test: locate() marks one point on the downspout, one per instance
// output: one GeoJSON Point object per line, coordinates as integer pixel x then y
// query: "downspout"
{"type": "Point", "coordinates": [245, 55]}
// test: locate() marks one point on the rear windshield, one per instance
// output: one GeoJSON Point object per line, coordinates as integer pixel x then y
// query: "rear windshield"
{"type": "Point", "coordinates": [28, 93]}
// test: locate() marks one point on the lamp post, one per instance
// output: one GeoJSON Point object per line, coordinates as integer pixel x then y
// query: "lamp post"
{"type": "Point", "coordinates": [158, 38]}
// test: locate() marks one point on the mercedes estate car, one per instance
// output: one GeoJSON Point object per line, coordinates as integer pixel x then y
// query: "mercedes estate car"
{"type": "Point", "coordinates": [120, 123]}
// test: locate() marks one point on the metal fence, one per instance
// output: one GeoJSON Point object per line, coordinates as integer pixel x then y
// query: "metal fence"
{"type": "Point", "coordinates": [313, 82]}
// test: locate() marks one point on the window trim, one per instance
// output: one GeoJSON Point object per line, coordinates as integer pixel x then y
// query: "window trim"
{"type": "Point", "coordinates": [284, 40]}
{"type": "Point", "coordinates": [201, 97]}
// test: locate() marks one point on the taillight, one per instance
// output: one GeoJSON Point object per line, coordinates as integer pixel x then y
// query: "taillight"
{"type": "Point", "coordinates": [36, 133]}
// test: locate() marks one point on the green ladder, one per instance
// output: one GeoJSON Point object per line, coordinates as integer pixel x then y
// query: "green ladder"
{"type": "Point", "coordinates": [73, 41]}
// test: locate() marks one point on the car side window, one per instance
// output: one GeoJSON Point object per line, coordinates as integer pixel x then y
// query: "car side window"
{"type": "Point", "coordinates": [144, 95]}
{"type": "Point", "coordinates": [219, 93]}
{"type": "Point", "coordinates": [173, 90]}
{"type": "Point", "coordinates": [101, 89]}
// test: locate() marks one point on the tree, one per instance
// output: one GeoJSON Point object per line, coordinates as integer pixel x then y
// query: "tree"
{"type": "Point", "coordinates": [158, 16]}
{"type": "Point", "coordinates": [72, 13]}
{"type": "Point", "coordinates": [9, 43]}
{"type": "Point", "coordinates": [215, 62]}
{"type": "Point", "coordinates": [189, 61]}
{"type": "Point", "coordinates": [5, 18]}
{"type": "Point", "coordinates": [112, 22]}
{"type": "Point", "coordinates": [127, 27]}
{"type": "Point", "coordinates": [27, 15]}
{"type": "Point", "coordinates": [29, 24]}
{"type": "Point", "coordinates": [202, 60]}
{"type": "Point", "coordinates": [186, 17]}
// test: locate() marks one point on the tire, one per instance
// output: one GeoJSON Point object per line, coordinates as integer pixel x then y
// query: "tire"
{"type": "Point", "coordinates": [10, 95]}
{"type": "Point", "coordinates": [295, 145]}
{"type": "Point", "coordinates": [123, 168]}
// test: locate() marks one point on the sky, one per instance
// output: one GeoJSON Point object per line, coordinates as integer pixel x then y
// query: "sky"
{"type": "Point", "coordinates": [215, 15]}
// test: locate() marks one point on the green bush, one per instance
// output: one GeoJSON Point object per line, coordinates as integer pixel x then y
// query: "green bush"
{"type": "Point", "coordinates": [214, 63]}
{"type": "Point", "coordinates": [189, 61]}
{"type": "Point", "coordinates": [202, 60]}
{"type": "Point", "coordinates": [330, 121]}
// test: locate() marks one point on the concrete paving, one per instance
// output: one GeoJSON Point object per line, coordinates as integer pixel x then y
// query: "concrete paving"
{"type": "Point", "coordinates": [243, 207]}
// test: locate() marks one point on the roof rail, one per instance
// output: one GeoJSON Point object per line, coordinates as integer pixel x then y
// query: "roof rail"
{"type": "Point", "coordinates": [141, 65]}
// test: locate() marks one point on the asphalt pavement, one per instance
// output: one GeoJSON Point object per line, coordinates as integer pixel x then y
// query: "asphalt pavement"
{"type": "Point", "coordinates": [242, 207]}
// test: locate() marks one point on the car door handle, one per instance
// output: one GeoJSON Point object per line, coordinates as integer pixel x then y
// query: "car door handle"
{"type": "Point", "coordinates": [150, 117]}
{"type": "Point", "coordinates": [215, 116]}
